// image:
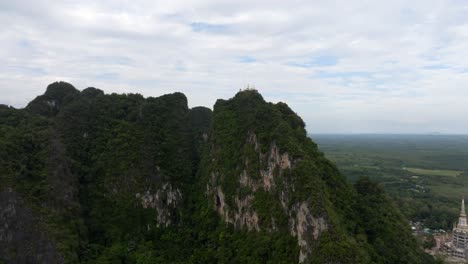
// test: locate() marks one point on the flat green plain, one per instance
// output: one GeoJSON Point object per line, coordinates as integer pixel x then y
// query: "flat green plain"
{"type": "Point", "coordinates": [426, 175]}
{"type": "Point", "coordinates": [446, 173]}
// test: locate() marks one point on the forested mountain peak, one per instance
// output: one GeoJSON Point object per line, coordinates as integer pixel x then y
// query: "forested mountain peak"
{"type": "Point", "coordinates": [53, 99]}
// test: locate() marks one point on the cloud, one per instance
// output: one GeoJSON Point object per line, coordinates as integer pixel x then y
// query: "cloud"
{"type": "Point", "coordinates": [344, 66]}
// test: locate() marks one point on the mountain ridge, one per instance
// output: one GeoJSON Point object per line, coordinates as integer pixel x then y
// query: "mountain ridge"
{"type": "Point", "coordinates": [109, 178]}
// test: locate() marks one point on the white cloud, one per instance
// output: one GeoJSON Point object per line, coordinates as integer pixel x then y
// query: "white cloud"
{"type": "Point", "coordinates": [400, 66]}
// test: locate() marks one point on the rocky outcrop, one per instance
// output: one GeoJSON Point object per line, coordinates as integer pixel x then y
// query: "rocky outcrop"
{"type": "Point", "coordinates": [306, 228]}
{"type": "Point", "coordinates": [245, 215]}
{"type": "Point", "coordinates": [165, 201]}
{"type": "Point", "coordinates": [50, 103]}
{"type": "Point", "coordinates": [241, 215]}
{"type": "Point", "coordinates": [273, 163]}
{"type": "Point", "coordinates": [273, 159]}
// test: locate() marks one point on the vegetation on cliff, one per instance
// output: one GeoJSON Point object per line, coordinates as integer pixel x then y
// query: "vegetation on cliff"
{"type": "Point", "coordinates": [126, 179]}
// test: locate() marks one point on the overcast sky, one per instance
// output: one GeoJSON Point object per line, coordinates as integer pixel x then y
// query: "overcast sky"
{"type": "Point", "coordinates": [343, 66]}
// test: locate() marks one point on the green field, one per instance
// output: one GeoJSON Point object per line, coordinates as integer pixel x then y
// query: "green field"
{"type": "Point", "coordinates": [427, 175]}
{"type": "Point", "coordinates": [446, 173]}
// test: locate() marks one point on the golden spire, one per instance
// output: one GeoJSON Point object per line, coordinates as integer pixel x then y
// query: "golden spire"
{"type": "Point", "coordinates": [462, 212]}
{"type": "Point", "coordinates": [462, 221]}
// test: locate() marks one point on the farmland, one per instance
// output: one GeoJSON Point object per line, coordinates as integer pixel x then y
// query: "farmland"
{"type": "Point", "coordinates": [425, 174]}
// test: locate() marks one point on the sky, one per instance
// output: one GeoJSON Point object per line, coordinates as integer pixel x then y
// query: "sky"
{"type": "Point", "coordinates": [343, 66]}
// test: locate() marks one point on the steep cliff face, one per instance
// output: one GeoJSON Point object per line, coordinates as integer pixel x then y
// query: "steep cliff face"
{"type": "Point", "coordinates": [263, 172]}
{"type": "Point", "coordinates": [40, 210]}
{"type": "Point", "coordinates": [267, 187]}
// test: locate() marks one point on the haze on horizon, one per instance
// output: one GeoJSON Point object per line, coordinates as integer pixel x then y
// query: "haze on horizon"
{"type": "Point", "coordinates": [343, 66]}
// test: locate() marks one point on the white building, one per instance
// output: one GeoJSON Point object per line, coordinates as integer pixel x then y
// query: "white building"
{"type": "Point", "coordinates": [458, 247]}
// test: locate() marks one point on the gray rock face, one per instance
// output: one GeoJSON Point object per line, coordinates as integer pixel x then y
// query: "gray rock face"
{"type": "Point", "coordinates": [241, 216]}
{"type": "Point", "coordinates": [23, 238]}
{"type": "Point", "coordinates": [165, 200]}
{"type": "Point", "coordinates": [306, 227]}
{"type": "Point", "coordinates": [302, 223]}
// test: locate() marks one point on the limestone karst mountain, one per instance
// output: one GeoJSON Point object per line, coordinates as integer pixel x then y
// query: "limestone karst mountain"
{"type": "Point", "coordinates": [88, 177]}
